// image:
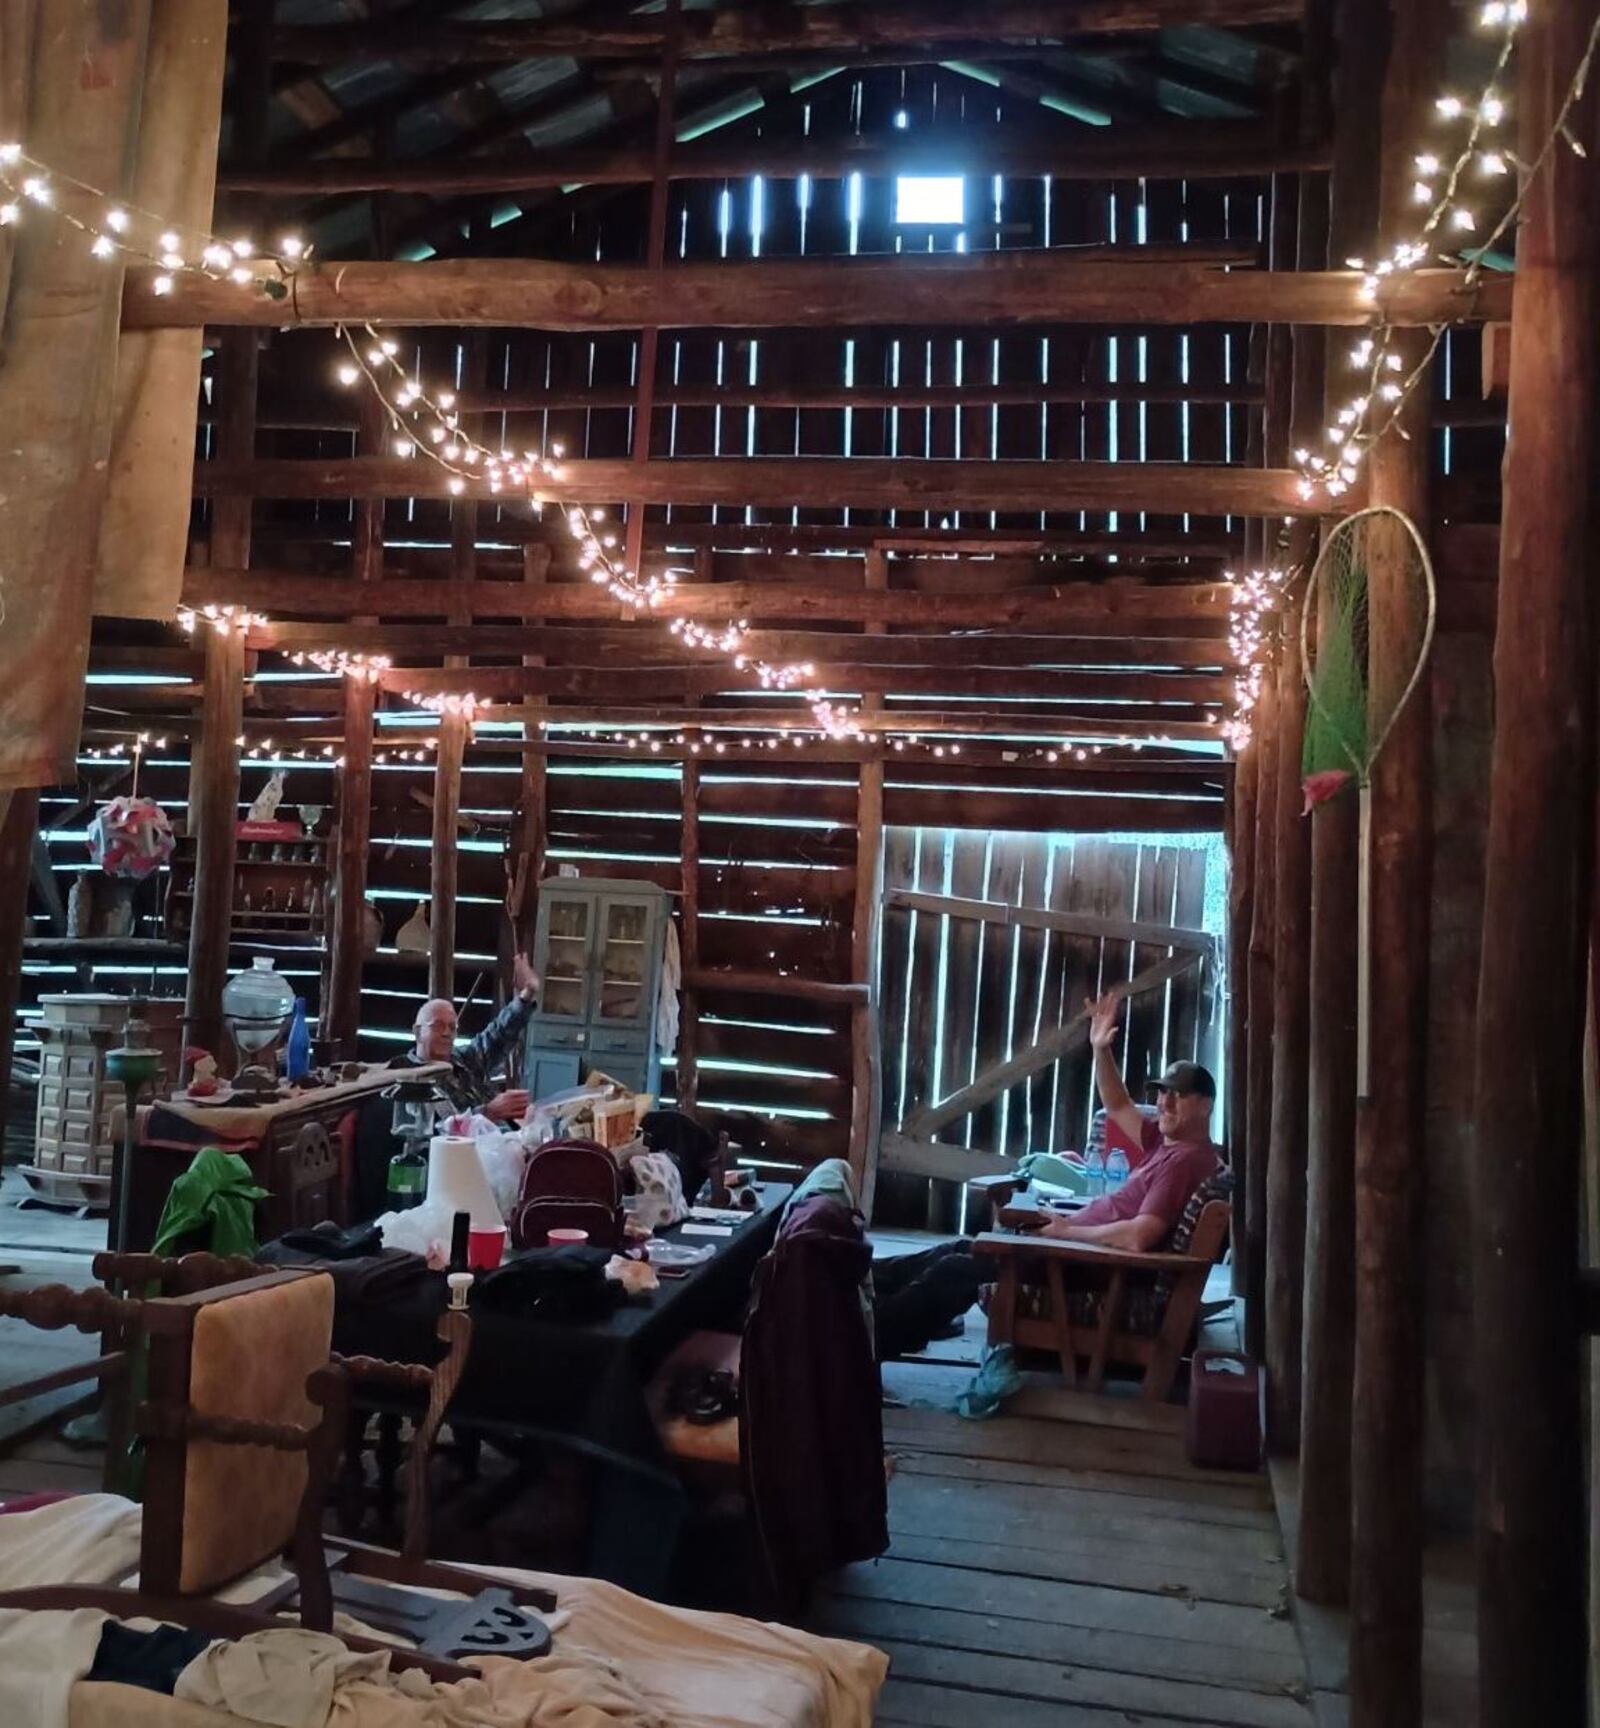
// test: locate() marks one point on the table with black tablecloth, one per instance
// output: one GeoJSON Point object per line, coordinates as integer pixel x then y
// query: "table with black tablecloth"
{"type": "Point", "coordinates": [580, 1385]}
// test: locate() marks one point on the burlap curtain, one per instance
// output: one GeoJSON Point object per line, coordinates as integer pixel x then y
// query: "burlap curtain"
{"type": "Point", "coordinates": [98, 435]}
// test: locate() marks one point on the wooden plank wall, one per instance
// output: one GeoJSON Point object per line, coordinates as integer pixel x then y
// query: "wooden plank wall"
{"type": "Point", "coordinates": [961, 995]}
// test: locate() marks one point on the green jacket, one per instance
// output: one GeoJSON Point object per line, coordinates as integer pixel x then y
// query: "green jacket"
{"type": "Point", "coordinates": [215, 1192]}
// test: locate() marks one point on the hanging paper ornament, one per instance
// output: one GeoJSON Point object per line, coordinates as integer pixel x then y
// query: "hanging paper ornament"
{"type": "Point", "coordinates": [130, 837]}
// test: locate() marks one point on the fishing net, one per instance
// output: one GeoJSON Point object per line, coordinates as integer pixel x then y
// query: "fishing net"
{"type": "Point", "coordinates": [1364, 638]}
{"type": "Point", "coordinates": [1365, 633]}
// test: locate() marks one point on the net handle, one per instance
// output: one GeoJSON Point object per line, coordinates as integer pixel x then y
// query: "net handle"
{"type": "Point", "coordinates": [1363, 769]}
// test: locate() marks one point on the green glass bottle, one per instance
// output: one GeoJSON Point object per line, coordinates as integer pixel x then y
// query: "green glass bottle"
{"type": "Point", "coordinates": [408, 1179]}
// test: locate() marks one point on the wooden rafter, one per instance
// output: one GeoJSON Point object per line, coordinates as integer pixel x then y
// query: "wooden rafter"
{"type": "Point", "coordinates": [1013, 289]}
{"type": "Point", "coordinates": [770, 29]}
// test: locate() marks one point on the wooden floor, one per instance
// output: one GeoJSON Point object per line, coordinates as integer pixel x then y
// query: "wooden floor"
{"type": "Point", "coordinates": [1066, 1565]}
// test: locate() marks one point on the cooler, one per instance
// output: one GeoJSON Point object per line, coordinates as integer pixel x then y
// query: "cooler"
{"type": "Point", "coordinates": [1225, 1421]}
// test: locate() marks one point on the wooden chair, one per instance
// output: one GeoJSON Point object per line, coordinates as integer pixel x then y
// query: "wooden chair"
{"type": "Point", "coordinates": [243, 1425]}
{"type": "Point", "coordinates": [1165, 1289]}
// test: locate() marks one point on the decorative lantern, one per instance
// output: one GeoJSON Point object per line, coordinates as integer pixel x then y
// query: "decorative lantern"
{"type": "Point", "coordinates": [130, 837]}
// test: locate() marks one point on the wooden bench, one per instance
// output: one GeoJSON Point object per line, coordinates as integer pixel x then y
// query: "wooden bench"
{"type": "Point", "coordinates": [1109, 1340]}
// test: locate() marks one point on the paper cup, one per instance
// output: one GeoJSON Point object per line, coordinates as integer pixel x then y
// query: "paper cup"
{"type": "Point", "coordinates": [484, 1249]}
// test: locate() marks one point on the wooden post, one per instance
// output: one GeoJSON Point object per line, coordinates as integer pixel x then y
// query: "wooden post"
{"type": "Point", "coordinates": [216, 782]}
{"type": "Point", "coordinates": [688, 1069]}
{"type": "Point", "coordinates": [1322, 1567]}
{"type": "Point", "coordinates": [455, 727]}
{"type": "Point", "coordinates": [1386, 1408]}
{"type": "Point", "coordinates": [341, 1014]}
{"type": "Point", "coordinates": [1262, 992]}
{"type": "Point", "coordinates": [1294, 413]}
{"type": "Point", "coordinates": [654, 257]}
{"type": "Point", "coordinates": [531, 826]}
{"type": "Point", "coordinates": [1531, 1626]}
{"type": "Point", "coordinates": [445, 858]}
{"type": "Point", "coordinates": [214, 772]}
{"type": "Point", "coordinates": [19, 822]}
{"type": "Point", "coordinates": [1241, 906]}
{"type": "Point", "coordinates": [866, 1061]}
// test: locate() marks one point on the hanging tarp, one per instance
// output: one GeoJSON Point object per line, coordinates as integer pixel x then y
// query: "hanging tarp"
{"type": "Point", "coordinates": [97, 450]}
{"type": "Point", "coordinates": [73, 82]}
{"type": "Point", "coordinates": [144, 531]}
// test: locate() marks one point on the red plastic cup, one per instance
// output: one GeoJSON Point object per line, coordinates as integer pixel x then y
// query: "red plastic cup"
{"type": "Point", "coordinates": [485, 1248]}
{"type": "Point", "coordinates": [568, 1238]}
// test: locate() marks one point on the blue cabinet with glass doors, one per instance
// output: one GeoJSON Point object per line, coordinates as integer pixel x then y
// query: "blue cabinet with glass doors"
{"type": "Point", "coordinates": [598, 949]}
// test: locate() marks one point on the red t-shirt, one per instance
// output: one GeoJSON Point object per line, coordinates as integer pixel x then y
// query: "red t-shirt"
{"type": "Point", "coordinates": [1160, 1187]}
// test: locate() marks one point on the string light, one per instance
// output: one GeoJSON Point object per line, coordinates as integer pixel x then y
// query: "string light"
{"type": "Point", "coordinates": [1440, 190]}
{"type": "Point", "coordinates": [429, 426]}
{"type": "Point", "coordinates": [363, 667]}
{"type": "Point", "coordinates": [226, 620]}
{"type": "Point", "coordinates": [435, 432]}
{"type": "Point", "coordinates": [1255, 597]}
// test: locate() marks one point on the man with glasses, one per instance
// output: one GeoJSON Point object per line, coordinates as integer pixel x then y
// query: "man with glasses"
{"type": "Point", "coordinates": [1179, 1154]}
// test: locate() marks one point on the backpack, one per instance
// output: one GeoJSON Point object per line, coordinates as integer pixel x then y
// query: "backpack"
{"type": "Point", "coordinates": [569, 1185]}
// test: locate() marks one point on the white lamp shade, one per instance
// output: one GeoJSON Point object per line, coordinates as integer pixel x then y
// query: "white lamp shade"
{"type": "Point", "coordinates": [457, 1183]}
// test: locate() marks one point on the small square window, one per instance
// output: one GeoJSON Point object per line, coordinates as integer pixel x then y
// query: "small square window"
{"type": "Point", "coordinates": [921, 200]}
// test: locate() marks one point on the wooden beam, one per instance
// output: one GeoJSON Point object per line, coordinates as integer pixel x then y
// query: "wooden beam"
{"type": "Point", "coordinates": [500, 683]}
{"type": "Point", "coordinates": [1007, 916]}
{"type": "Point", "coordinates": [824, 393]}
{"type": "Point", "coordinates": [747, 983]}
{"type": "Point", "coordinates": [577, 647]}
{"type": "Point", "coordinates": [906, 1155]}
{"type": "Point", "coordinates": [826, 482]}
{"type": "Point", "coordinates": [930, 723]}
{"type": "Point", "coordinates": [1088, 608]}
{"type": "Point", "coordinates": [1214, 149]}
{"type": "Point", "coordinates": [1014, 289]}
{"type": "Point", "coordinates": [812, 393]}
{"type": "Point", "coordinates": [1531, 1551]}
{"type": "Point", "coordinates": [770, 30]}
{"type": "Point", "coordinates": [1055, 1044]}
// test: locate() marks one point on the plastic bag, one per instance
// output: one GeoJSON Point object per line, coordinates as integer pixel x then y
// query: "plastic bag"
{"type": "Point", "coordinates": [502, 1151]}
{"type": "Point", "coordinates": [660, 1201]}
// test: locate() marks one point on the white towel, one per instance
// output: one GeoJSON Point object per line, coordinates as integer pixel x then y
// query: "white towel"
{"type": "Point", "coordinates": [89, 1539]}
{"type": "Point", "coordinates": [44, 1653]}
{"type": "Point", "coordinates": [667, 992]}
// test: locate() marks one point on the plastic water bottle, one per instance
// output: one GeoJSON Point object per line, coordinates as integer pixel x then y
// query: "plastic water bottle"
{"type": "Point", "coordinates": [297, 1057]}
{"type": "Point", "coordinates": [1117, 1169]}
{"type": "Point", "coordinates": [1094, 1166]}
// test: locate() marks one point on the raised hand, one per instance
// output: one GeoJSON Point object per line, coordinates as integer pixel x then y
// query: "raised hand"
{"type": "Point", "coordinates": [524, 980]}
{"type": "Point", "coordinates": [1103, 1013]}
{"type": "Point", "coordinates": [509, 1106]}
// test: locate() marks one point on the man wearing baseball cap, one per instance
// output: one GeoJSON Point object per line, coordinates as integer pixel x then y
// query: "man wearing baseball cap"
{"type": "Point", "coordinates": [1179, 1154]}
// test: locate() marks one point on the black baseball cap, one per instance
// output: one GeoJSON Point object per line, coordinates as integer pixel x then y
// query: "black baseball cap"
{"type": "Point", "coordinates": [1186, 1078]}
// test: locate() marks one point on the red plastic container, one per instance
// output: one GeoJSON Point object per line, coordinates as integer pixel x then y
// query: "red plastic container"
{"type": "Point", "coordinates": [1226, 1411]}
